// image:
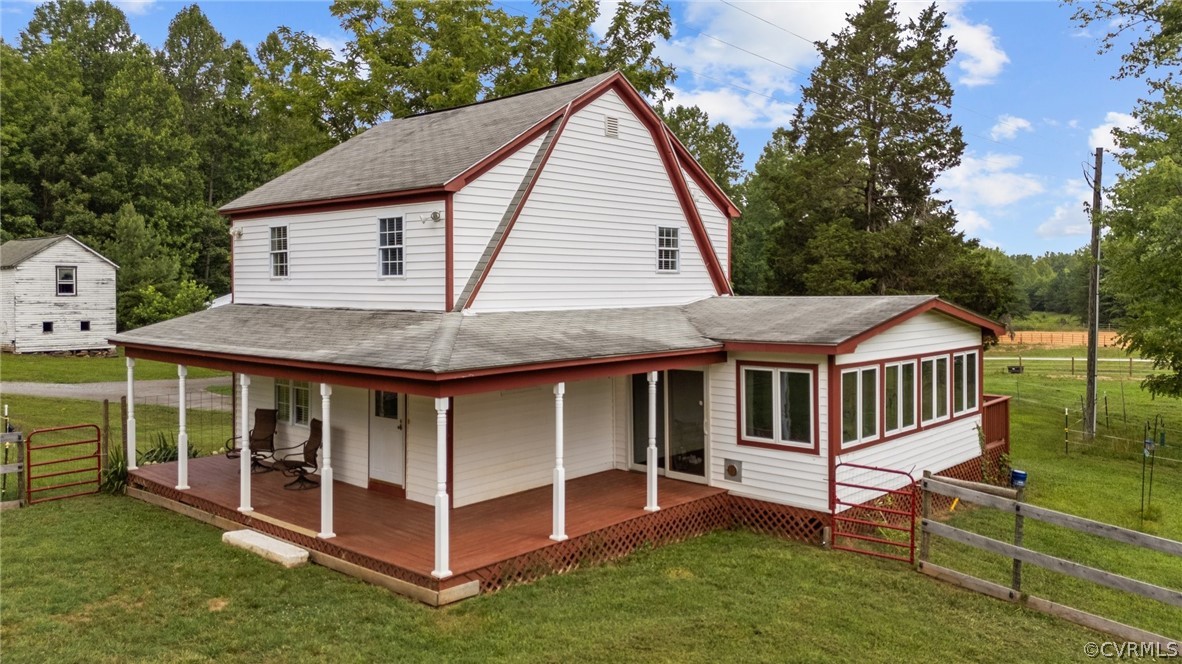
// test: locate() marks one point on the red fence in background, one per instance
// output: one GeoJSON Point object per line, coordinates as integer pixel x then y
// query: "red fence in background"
{"type": "Point", "coordinates": [1057, 339]}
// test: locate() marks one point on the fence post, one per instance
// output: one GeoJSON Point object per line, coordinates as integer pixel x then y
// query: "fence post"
{"type": "Point", "coordinates": [123, 420]}
{"type": "Point", "coordinates": [1018, 527]}
{"type": "Point", "coordinates": [1130, 367]}
{"type": "Point", "coordinates": [23, 476]}
{"type": "Point", "coordinates": [925, 538]}
{"type": "Point", "coordinates": [106, 436]}
{"type": "Point", "coordinates": [1072, 365]}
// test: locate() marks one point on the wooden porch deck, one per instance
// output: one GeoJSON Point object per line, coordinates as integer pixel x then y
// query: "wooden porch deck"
{"type": "Point", "coordinates": [496, 542]}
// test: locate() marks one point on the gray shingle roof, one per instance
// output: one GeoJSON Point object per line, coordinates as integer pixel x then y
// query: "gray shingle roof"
{"type": "Point", "coordinates": [450, 342]}
{"type": "Point", "coordinates": [15, 252]}
{"type": "Point", "coordinates": [797, 320]}
{"type": "Point", "coordinates": [416, 152]}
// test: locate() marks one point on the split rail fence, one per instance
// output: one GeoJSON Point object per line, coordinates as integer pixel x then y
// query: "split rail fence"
{"type": "Point", "coordinates": [1010, 500]}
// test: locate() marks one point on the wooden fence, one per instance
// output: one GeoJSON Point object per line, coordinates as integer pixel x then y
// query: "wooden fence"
{"type": "Point", "coordinates": [1010, 500]}
{"type": "Point", "coordinates": [1057, 339]}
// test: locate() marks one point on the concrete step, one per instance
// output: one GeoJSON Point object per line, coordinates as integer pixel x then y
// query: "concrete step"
{"type": "Point", "coordinates": [275, 550]}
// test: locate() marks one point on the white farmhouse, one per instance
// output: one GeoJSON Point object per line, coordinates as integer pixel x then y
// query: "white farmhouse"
{"type": "Point", "coordinates": [513, 323]}
{"type": "Point", "coordinates": [56, 294]}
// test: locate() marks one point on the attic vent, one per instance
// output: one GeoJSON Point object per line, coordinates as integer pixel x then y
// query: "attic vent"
{"type": "Point", "coordinates": [611, 127]}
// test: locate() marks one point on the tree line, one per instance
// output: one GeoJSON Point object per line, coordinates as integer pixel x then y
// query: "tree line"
{"type": "Point", "coordinates": [132, 149]}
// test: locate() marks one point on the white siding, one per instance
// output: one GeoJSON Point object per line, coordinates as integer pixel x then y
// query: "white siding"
{"type": "Point", "coordinates": [420, 449]}
{"type": "Point", "coordinates": [504, 441]}
{"type": "Point", "coordinates": [716, 222]}
{"type": "Point", "coordinates": [350, 426]}
{"type": "Point", "coordinates": [927, 332]}
{"type": "Point", "coordinates": [34, 300]}
{"type": "Point", "coordinates": [7, 312]}
{"type": "Point", "coordinates": [333, 260]}
{"type": "Point", "coordinates": [586, 236]}
{"type": "Point", "coordinates": [934, 449]}
{"type": "Point", "coordinates": [777, 476]}
{"type": "Point", "coordinates": [479, 207]}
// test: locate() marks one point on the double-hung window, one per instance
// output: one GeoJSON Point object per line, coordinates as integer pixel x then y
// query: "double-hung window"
{"type": "Point", "coordinates": [778, 408]}
{"type": "Point", "coordinates": [67, 280]}
{"type": "Point", "coordinates": [964, 382]}
{"type": "Point", "coordinates": [668, 249]}
{"type": "Point", "coordinates": [933, 386]}
{"type": "Point", "coordinates": [291, 400]}
{"type": "Point", "coordinates": [859, 405]}
{"type": "Point", "coordinates": [279, 252]}
{"type": "Point", "coordinates": [391, 256]}
{"type": "Point", "coordinates": [899, 397]}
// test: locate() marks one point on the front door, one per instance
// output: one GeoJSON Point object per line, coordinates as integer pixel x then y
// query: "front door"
{"type": "Point", "coordinates": [681, 430]}
{"type": "Point", "coordinates": [387, 467]}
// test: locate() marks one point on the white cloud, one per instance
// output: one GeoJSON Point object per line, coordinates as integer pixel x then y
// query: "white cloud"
{"type": "Point", "coordinates": [990, 181]}
{"type": "Point", "coordinates": [735, 107]}
{"type": "Point", "coordinates": [136, 7]}
{"type": "Point", "coordinates": [1068, 219]}
{"type": "Point", "coordinates": [334, 44]}
{"type": "Point", "coordinates": [1101, 136]}
{"type": "Point", "coordinates": [1074, 124]}
{"type": "Point", "coordinates": [1008, 126]}
{"type": "Point", "coordinates": [979, 57]}
{"type": "Point", "coordinates": [971, 223]}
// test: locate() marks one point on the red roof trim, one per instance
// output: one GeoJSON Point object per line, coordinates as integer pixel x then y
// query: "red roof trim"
{"type": "Point", "coordinates": [346, 203]}
{"type": "Point", "coordinates": [763, 347]}
{"type": "Point", "coordinates": [492, 260]}
{"type": "Point", "coordinates": [491, 161]}
{"type": "Point", "coordinates": [850, 345]}
{"type": "Point", "coordinates": [449, 279]}
{"type": "Point", "coordinates": [703, 179]}
{"type": "Point", "coordinates": [432, 384]}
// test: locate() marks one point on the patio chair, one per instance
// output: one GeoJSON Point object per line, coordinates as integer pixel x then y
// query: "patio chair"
{"type": "Point", "coordinates": [301, 466]}
{"type": "Point", "coordinates": [262, 441]}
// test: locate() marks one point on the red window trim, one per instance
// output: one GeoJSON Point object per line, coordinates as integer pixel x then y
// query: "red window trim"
{"type": "Point", "coordinates": [813, 370]}
{"type": "Point", "coordinates": [835, 397]}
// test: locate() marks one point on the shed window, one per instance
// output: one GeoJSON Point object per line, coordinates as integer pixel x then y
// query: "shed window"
{"type": "Point", "coordinates": [47, 327]}
{"type": "Point", "coordinates": [668, 249]}
{"type": "Point", "coordinates": [279, 251]}
{"type": "Point", "coordinates": [964, 382]}
{"type": "Point", "coordinates": [899, 397]}
{"type": "Point", "coordinates": [390, 247]}
{"type": "Point", "coordinates": [67, 283]}
{"type": "Point", "coordinates": [291, 400]}
{"type": "Point", "coordinates": [859, 405]}
{"type": "Point", "coordinates": [84, 326]}
{"type": "Point", "coordinates": [778, 406]}
{"type": "Point", "coordinates": [934, 388]}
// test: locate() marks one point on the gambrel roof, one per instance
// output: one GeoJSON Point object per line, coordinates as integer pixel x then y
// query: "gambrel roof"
{"type": "Point", "coordinates": [439, 152]}
{"type": "Point", "coordinates": [15, 252]}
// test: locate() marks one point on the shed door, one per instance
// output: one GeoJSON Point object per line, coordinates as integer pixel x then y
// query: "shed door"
{"type": "Point", "coordinates": [387, 450]}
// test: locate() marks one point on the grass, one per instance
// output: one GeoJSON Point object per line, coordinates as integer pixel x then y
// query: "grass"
{"type": "Point", "coordinates": [1080, 353]}
{"type": "Point", "coordinates": [83, 583]}
{"type": "Point", "coordinates": [1093, 481]}
{"type": "Point", "coordinates": [1049, 321]}
{"type": "Point", "coordinates": [70, 369]}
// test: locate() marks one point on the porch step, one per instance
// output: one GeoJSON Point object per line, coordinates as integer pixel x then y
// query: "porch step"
{"type": "Point", "coordinates": [275, 550]}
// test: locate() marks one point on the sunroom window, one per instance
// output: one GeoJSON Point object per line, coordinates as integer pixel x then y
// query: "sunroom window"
{"type": "Point", "coordinates": [859, 405]}
{"type": "Point", "coordinates": [778, 406]}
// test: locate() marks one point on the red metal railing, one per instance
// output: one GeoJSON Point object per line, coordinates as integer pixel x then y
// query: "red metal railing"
{"type": "Point", "coordinates": [875, 513]}
{"type": "Point", "coordinates": [33, 451]}
{"type": "Point", "coordinates": [995, 421]}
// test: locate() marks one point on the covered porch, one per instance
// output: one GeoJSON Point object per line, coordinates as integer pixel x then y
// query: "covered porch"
{"type": "Point", "coordinates": [493, 543]}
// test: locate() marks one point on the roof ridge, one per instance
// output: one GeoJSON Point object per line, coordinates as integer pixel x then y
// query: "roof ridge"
{"type": "Point", "coordinates": [439, 355]}
{"type": "Point", "coordinates": [483, 102]}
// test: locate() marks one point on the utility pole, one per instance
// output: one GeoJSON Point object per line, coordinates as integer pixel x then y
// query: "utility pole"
{"type": "Point", "coordinates": [1094, 299]}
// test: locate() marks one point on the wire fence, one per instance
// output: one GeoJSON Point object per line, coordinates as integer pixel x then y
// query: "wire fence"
{"type": "Point", "coordinates": [209, 420]}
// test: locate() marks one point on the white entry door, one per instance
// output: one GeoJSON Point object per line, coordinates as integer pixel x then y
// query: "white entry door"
{"type": "Point", "coordinates": [387, 449]}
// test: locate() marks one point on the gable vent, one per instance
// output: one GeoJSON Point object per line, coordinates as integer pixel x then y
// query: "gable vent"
{"type": "Point", "coordinates": [611, 127]}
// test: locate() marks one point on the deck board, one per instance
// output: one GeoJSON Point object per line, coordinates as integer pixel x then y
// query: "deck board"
{"type": "Point", "coordinates": [401, 532]}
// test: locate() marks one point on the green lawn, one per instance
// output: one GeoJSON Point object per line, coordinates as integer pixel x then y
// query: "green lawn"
{"type": "Point", "coordinates": [1094, 482]}
{"type": "Point", "coordinates": [68, 369]}
{"type": "Point", "coordinates": [111, 579]}
{"type": "Point", "coordinates": [1078, 352]}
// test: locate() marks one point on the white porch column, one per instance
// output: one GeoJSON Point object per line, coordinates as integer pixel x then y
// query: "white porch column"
{"type": "Point", "coordinates": [130, 425]}
{"type": "Point", "coordinates": [442, 534]}
{"type": "Point", "coordinates": [559, 533]}
{"type": "Point", "coordinates": [326, 462]}
{"type": "Point", "coordinates": [182, 436]}
{"type": "Point", "coordinates": [244, 445]}
{"type": "Point", "coordinates": [652, 506]}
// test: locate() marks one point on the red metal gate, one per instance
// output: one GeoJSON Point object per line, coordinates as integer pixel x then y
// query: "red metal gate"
{"type": "Point", "coordinates": [869, 501]}
{"type": "Point", "coordinates": [86, 460]}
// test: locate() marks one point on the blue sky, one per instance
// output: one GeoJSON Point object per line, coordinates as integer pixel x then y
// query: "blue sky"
{"type": "Point", "coordinates": [1033, 96]}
